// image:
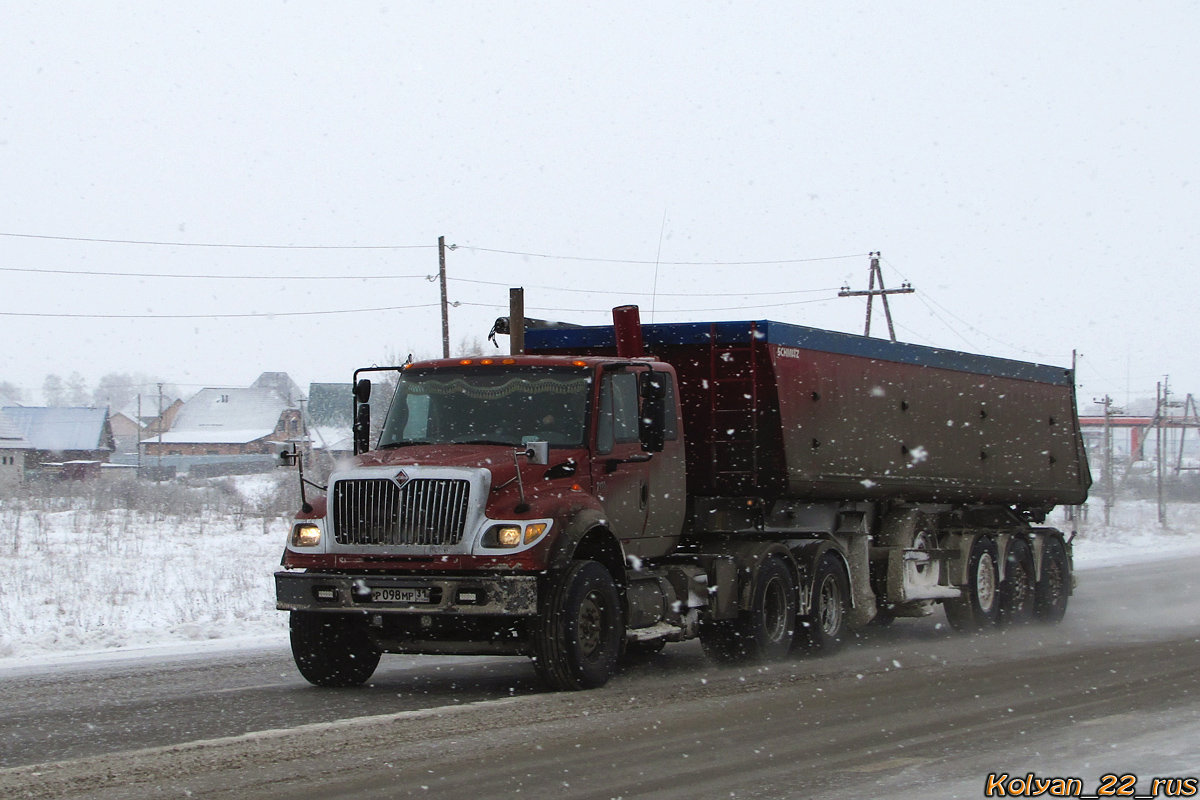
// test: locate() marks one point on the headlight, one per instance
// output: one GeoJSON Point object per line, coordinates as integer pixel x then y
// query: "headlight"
{"type": "Point", "coordinates": [505, 536]}
{"type": "Point", "coordinates": [502, 536]}
{"type": "Point", "coordinates": [305, 534]}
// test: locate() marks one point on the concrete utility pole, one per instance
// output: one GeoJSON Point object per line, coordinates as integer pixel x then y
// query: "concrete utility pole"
{"type": "Point", "coordinates": [1160, 408]}
{"type": "Point", "coordinates": [445, 304]}
{"type": "Point", "coordinates": [871, 292]}
{"type": "Point", "coordinates": [1106, 480]}
{"type": "Point", "coordinates": [159, 425]}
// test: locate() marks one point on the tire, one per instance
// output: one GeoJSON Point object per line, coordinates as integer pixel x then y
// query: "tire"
{"type": "Point", "coordinates": [1053, 590]}
{"type": "Point", "coordinates": [767, 630]}
{"type": "Point", "coordinates": [639, 651]}
{"type": "Point", "coordinates": [824, 630]}
{"type": "Point", "coordinates": [979, 607]}
{"type": "Point", "coordinates": [1018, 589]}
{"type": "Point", "coordinates": [577, 641]}
{"type": "Point", "coordinates": [332, 649]}
{"type": "Point", "coordinates": [885, 615]}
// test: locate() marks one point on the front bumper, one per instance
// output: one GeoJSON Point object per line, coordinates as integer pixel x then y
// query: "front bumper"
{"type": "Point", "coordinates": [503, 595]}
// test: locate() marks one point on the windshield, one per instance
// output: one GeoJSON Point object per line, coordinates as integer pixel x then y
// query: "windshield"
{"type": "Point", "coordinates": [486, 406]}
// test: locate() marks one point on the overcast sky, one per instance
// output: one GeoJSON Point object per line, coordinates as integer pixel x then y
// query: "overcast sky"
{"type": "Point", "coordinates": [1032, 170]}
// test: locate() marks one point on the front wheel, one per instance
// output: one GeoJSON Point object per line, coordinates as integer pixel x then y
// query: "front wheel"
{"type": "Point", "coordinates": [578, 638]}
{"type": "Point", "coordinates": [979, 606]}
{"type": "Point", "coordinates": [332, 649]}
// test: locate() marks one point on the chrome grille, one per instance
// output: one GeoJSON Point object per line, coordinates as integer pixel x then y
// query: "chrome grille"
{"type": "Point", "coordinates": [424, 511]}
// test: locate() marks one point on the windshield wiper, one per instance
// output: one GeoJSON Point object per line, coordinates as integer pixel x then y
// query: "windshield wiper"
{"type": "Point", "coordinates": [485, 441]}
{"type": "Point", "coordinates": [401, 443]}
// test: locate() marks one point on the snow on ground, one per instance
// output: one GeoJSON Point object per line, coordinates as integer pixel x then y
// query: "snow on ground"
{"type": "Point", "coordinates": [79, 578]}
{"type": "Point", "coordinates": [1133, 534]}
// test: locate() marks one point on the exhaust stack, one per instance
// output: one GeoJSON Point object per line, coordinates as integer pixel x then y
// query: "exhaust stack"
{"type": "Point", "coordinates": [627, 324]}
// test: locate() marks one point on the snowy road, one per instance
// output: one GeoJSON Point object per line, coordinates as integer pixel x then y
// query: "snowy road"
{"type": "Point", "coordinates": [910, 711]}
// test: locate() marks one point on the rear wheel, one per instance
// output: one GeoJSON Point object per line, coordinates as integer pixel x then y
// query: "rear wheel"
{"type": "Point", "coordinates": [1053, 590]}
{"type": "Point", "coordinates": [578, 639]}
{"type": "Point", "coordinates": [825, 628]}
{"type": "Point", "coordinates": [332, 649]}
{"type": "Point", "coordinates": [979, 605]}
{"type": "Point", "coordinates": [1017, 590]}
{"type": "Point", "coordinates": [766, 631]}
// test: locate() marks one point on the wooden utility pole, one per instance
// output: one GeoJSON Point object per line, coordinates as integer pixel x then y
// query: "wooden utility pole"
{"type": "Point", "coordinates": [516, 321]}
{"type": "Point", "coordinates": [445, 304]}
{"type": "Point", "coordinates": [871, 292]}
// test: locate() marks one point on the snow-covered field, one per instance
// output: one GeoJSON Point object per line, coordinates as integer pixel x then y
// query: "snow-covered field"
{"type": "Point", "coordinates": [76, 575]}
{"type": "Point", "coordinates": [194, 569]}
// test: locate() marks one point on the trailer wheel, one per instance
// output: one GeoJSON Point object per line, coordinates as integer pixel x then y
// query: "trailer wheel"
{"type": "Point", "coordinates": [1017, 590]}
{"type": "Point", "coordinates": [332, 649]}
{"type": "Point", "coordinates": [1052, 591]}
{"type": "Point", "coordinates": [578, 638]}
{"type": "Point", "coordinates": [766, 631]}
{"type": "Point", "coordinates": [979, 607]}
{"type": "Point", "coordinates": [824, 629]}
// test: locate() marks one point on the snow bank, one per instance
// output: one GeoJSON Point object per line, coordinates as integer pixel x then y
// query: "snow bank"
{"type": "Point", "coordinates": [77, 577]}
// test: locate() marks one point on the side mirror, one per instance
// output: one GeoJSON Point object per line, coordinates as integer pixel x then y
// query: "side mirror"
{"type": "Point", "coordinates": [362, 416]}
{"type": "Point", "coordinates": [652, 425]}
{"type": "Point", "coordinates": [538, 452]}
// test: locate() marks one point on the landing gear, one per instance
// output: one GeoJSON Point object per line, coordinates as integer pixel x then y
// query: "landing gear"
{"type": "Point", "coordinates": [332, 649]}
{"type": "Point", "coordinates": [979, 607]}
{"type": "Point", "coordinates": [766, 631]}
{"type": "Point", "coordinates": [580, 628]}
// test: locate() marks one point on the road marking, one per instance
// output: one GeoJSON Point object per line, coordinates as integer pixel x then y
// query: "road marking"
{"type": "Point", "coordinates": [891, 763]}
{"type": "Point", "coordinates": [273, 733]}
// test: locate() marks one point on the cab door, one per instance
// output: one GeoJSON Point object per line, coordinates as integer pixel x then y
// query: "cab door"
{"type": "Point", "coordinates": [621, 469]}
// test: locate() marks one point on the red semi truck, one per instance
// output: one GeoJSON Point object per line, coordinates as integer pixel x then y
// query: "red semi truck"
{"type": "Point", "coordinates": [762, 486]}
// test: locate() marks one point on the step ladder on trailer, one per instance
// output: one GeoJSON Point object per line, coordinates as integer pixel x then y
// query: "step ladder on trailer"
{"type": "Point", "coordinates": [733, 415]}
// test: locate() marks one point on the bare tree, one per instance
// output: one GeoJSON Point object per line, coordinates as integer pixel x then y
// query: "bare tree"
{"type": "Point", "coordinates": [53, 390]}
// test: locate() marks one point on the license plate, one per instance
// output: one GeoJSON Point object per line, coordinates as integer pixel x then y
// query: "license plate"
{"type": "Point", "coordinates": [399, 594]}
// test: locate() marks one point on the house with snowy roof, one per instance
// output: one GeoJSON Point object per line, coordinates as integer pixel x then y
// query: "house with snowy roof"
{"type": "Point", "coordinates": [57, 435]}
{"type": "Point", "coordinates": [224, 422]}
{"type": "Point", "coordinates": [14, 448]}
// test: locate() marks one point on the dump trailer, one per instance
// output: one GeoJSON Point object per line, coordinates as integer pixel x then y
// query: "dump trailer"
{"type": "Point", "coordinates": [765, 487]}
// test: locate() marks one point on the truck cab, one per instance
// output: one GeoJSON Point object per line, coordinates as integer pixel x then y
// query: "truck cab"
{"type": "Point", "coordinates": [488, 479]}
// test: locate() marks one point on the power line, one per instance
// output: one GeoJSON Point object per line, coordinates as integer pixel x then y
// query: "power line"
{"type": "Point", "coordinates": [215, 277]}
{"type": "Point", "coordinates": [674, 311]}
{"type": "Point", "coordinates": [213, 316]}
{"type": "Point", "coordinates": [223, 244]}
{"type": "Point", "coordinates": [648, 294]}
{"type": "Point", "coordinates": [663, 263]}
{"type": "Point", "coordinates": [923, 294]}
